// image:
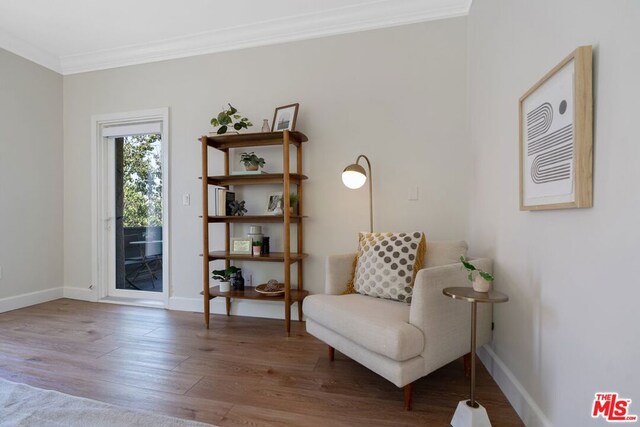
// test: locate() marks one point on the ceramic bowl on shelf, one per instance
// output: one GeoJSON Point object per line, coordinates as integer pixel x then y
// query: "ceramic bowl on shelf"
{"type": "Point", "coordinates": [272, 288]}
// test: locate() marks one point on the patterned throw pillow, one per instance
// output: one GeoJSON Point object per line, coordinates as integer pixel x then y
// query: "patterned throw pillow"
{"type": "Point", "coordinates": [386, 265]}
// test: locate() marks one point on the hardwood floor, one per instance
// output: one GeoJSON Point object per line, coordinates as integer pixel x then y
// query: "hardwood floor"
{"type": "Point", "coordinates": [243, 371]}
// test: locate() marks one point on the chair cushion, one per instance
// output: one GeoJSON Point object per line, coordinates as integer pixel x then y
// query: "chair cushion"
{"type": "Point", "coordinates": [387, 264]}
{"type": "Point", "coordinates": [379, 325]}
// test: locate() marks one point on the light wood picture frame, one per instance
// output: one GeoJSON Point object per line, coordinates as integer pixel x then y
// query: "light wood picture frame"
{"type": "Point", "coordinates": [241, 245]}
{"type": "Point", "coordinates": [556, 137]}
{"type": "Point", "coordinates": [284, 118]}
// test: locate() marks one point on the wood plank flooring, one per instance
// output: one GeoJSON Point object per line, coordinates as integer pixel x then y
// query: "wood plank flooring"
{"type": "Point", "coordinates": [241, 372]}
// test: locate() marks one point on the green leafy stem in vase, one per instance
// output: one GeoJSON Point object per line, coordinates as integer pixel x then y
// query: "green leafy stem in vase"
{"type": "Point", "coordinates": [230, 118]}
{"type": "Point", "coordinates": [471, 268]}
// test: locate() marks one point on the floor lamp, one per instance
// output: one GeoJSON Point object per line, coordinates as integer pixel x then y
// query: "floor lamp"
{"type": "Point", "coordinates": [354, 176]}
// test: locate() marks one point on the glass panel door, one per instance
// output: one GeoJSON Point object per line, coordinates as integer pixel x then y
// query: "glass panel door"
{"type": "Point", "coordinates": [136, 164]}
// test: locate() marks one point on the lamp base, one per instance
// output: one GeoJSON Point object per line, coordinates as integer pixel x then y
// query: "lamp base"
{"type": "Point", "coordinates": [467, 416]}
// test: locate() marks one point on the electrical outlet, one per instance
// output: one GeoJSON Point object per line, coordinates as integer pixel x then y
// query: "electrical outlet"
{"type": "Point", "coordinates": [186, 199]}
{"type": "Point", "coordinates": [0, 272]}
{"type": "Point", "coordinates": [248, 281]}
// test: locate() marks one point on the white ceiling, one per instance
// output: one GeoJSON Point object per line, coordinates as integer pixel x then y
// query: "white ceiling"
{"type": "Point", "coordinates": [72, 36]}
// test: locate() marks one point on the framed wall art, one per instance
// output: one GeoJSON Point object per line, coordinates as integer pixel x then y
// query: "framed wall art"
{"type": "Point", "coordinates": [556, 127]}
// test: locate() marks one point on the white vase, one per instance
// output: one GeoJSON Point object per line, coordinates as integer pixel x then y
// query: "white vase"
{"type": "Point", "coordinates": [225, 286]}
{"type": "Point", "coordinates": [480, 284]}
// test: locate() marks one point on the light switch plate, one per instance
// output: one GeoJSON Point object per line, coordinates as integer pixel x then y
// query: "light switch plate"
{"type": "Point", "coordinates": [413, 192]}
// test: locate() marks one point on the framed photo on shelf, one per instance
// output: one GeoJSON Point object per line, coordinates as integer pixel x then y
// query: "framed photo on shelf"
{"type": "Point", "coordinates": [241, 246]}
{"type": "Point", "coordinates": [285, 118]}
{"type": "Point", "coordinates": [274, 203]}
{"type": "Point", "coordinates": [556, 125]}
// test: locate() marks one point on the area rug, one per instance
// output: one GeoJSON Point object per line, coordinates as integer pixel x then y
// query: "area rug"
{"type": "Point", "coordinates": [26, 406]}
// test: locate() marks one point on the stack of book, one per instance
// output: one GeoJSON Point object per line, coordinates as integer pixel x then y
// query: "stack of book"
{"type": "Point", "coordinates": [222, 200]}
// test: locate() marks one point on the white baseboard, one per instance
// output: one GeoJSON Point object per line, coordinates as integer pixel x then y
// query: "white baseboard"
{"type": "Point", "coordinates": [269, 310]}
{"type": "Point", "coordinates": [83, 294]}
{"type": "Point", "coordinates": [522, 402]}
{"type": "Point", "coordinates": [31, 298]}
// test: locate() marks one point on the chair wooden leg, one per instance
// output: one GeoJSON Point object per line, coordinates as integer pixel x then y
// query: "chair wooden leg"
{"type": "Point", "coordinates": [332, 354]}
{"type": "Point", "coordinates": [228, 305]}
{"type": "Point", "coordinates": [408, 396]}
{"type": "Point", "coordinates": [467, 364]}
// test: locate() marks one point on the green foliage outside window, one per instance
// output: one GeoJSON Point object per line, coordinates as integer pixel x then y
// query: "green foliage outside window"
{"type": "Point", "coordinates": [142, 181]}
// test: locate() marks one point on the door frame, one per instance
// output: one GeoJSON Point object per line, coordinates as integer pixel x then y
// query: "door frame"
{"type": "Point", "coordinates": [100, 209]}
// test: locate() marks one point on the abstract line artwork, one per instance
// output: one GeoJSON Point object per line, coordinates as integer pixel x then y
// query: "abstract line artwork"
{"type": "Point", "coordinates": [548, 141]}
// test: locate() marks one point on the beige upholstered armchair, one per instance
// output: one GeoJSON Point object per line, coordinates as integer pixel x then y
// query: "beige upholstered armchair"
{"type": "Point", "coordinates": [399, 341]}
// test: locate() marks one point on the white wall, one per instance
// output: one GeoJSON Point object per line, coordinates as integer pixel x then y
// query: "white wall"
{"type": "Point", "coordinates": [30, 182]}
{"type": "Point", "coordinates": [396, 94]}
{"type": "Point", "coordinates": [570, 328]}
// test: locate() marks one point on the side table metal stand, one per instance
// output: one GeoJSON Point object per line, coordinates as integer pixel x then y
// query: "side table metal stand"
{"type": "Point", "coordinates": [470, 413]}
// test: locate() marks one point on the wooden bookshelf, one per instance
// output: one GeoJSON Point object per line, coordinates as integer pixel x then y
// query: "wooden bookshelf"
{"type": "Point", "coordinates": [287, 178]}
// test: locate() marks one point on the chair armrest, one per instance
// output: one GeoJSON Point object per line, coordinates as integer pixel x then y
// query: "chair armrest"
{"type": "Point", "coordinates": [445, 322]}
{"type": "Point", "coordinates": [339, 272]}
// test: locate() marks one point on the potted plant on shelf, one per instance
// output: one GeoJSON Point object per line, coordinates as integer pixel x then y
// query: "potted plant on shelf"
{"type": "Point", "coordinates": [257, 248]}
{"type": "Point", "coordinates": [293, 203]}
{"type": "Point", "coordinates": [251, 162]}
{"type": "Point", "coordinates": [224, 277]}
{"type": "Point", "coordinates": [481, 280]}
{"type": "Point", "coordinates": [230, 118]}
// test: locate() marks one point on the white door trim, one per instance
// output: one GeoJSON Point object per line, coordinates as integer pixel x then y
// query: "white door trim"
{"type": "Point", "coordinates": [99, 195]}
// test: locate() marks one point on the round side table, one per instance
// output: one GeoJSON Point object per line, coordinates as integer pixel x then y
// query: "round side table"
{"type": "Point", "coordinates": [470, 413]}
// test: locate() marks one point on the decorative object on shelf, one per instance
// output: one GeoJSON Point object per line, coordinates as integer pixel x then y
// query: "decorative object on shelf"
{"type": "Point", "coordinates": [274, 203]}
{"type": "Point", "coordinates": [251, 162]}
{"type": "Point", "coordinates": [354, 177]}
{"type": "Point", "coordinates": [481, 280]}
{"type": "Point", "coordinates": [241, 246]}
{"type": "Point", "coordinates": [224, 277]}
{"type": "Point", "coordinates": [271, 288]}
{"type": "Point", "coordinates": [293, 203]}
{"type": "Point", "coordinates": [257, 248]}
{"type": "Point", "coordinates": [265, 125]}
{"type": "Point", "coordinates": [255, 233]}
{"type": "Point", "coordinates": [285, 118]}
{"type": "Point", "coordinates": [237, 208]}
{"type": "Point", "coordinates": [237, 281]}
{"type": "Point", "coordinates": [556, 145]}
{"type": "Point", "coordinates": [266, 250]}
{"type": "Point", "coordinates": [229, 118]}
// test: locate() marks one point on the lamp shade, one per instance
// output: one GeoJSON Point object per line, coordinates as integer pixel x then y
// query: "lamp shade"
{"type": "Point", "coordinates": [354, 176]}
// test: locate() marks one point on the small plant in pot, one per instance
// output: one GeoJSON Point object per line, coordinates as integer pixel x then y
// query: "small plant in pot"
{"type": "Point", "coordinates": [481, 280]}
{"type": "Point", "coordinates": [251, 162]}
{"type": "Point", "coordinates": [224, 277]}
{"type": "Point", "coordinates": [257, 248]}
{"type": "Point", "coordinates": [293, 203]}
{"type": "Point", "coordinates": [230, 118]}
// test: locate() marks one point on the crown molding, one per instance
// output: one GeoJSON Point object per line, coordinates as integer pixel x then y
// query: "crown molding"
{"type": "Point", "coordinates": [30, 52]}
{"type": "Point", "coordinates": [368, 16]}
{"type": "Point", "coordinates": [348, 19]}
